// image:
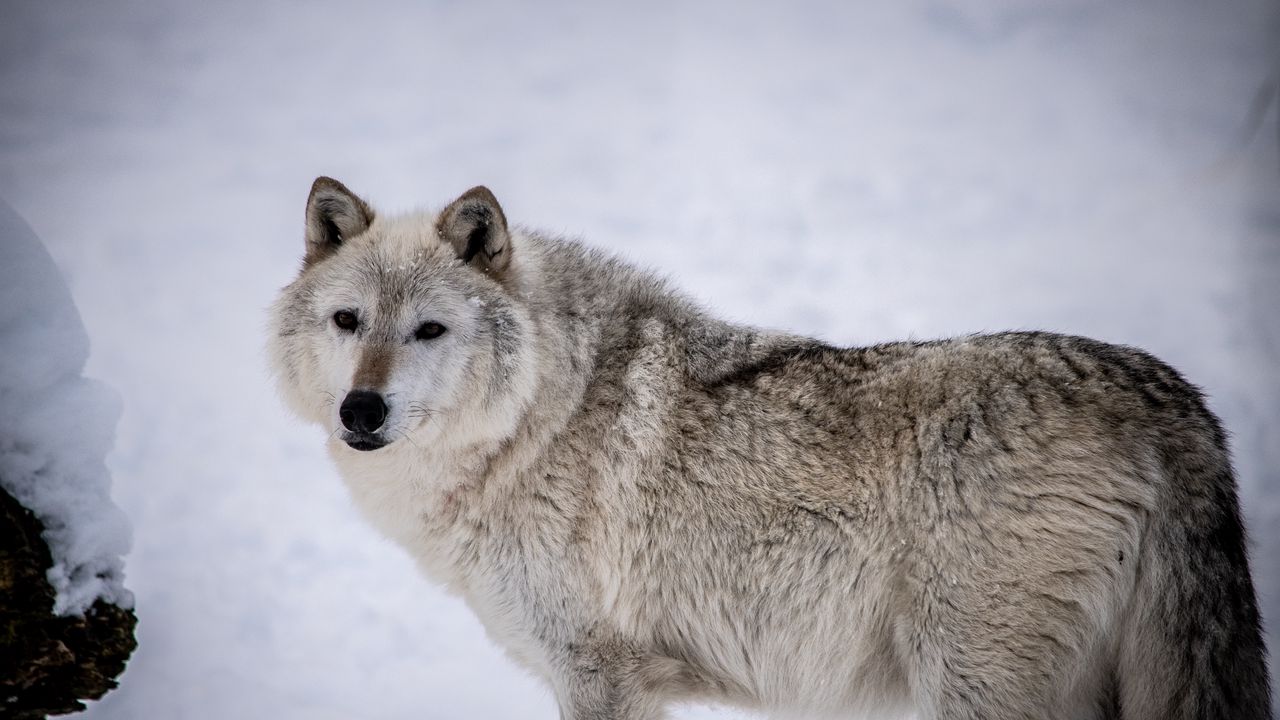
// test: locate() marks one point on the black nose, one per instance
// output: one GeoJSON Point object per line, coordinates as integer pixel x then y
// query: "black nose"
{"type": "Point", "coordinates": [362, 411]}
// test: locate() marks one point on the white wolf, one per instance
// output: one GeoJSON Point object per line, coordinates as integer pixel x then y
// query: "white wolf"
{"type": "Point", "coordinates": [644, 504]}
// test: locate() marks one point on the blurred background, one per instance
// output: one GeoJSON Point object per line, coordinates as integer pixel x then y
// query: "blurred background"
{"type": "Point", "coordinates": [856, 171]}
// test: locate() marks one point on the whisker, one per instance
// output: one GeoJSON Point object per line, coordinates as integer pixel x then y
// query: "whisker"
{"type": "Point", "coordinates": [421, 407]}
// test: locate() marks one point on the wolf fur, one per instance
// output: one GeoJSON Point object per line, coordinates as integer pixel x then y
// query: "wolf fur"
{"type": "Point", "coordinates": [645, 505]}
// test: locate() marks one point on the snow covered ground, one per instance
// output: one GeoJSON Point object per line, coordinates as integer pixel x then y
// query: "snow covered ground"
{"type": "Point", "coordinates": [858, 171]}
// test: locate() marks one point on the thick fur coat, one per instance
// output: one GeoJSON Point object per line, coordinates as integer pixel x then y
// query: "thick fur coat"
{"type": "Point", "coordinates": [644, 504]}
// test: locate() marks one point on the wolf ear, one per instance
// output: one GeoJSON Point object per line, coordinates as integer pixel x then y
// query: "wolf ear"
{"type": "Point", "coordinates": [334, 215]}
{"type": "Point", "coordinates": [476, 228]}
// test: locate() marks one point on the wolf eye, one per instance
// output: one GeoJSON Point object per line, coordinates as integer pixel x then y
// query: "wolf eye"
{"type": "Point", "coordinates": [429, 331]}
{"type": "Point", "coordinates": [346, 320]}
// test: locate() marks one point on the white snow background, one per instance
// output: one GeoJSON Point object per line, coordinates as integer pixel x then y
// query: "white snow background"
{"type": "Point", "coordinates": [858, 171]}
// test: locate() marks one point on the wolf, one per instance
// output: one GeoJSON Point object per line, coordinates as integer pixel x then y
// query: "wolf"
{"type": "Point", "coordinates": [646, 505]}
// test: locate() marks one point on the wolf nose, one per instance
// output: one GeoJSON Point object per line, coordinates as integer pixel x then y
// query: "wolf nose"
{"type": "Point", "coordinates": [362, 411]}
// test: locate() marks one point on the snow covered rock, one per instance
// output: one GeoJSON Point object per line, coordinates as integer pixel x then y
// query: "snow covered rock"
{"type": "Point", "coordinates": [65, 624]}
{"type": "Point", "coordinates": [48, 662]}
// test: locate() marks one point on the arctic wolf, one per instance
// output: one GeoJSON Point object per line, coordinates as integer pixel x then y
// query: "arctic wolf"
{"type": "Point", "coordinates": [645, 505]}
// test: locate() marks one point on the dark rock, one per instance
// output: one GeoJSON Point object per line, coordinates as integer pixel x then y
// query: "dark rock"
{"type": "Point", "coordinates": [48, 664]}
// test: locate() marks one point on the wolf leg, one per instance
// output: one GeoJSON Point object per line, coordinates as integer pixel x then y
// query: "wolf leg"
{"type": "Point", "coordinates": [997, 650]}
{"type": "Point", "coordinates": [606, 679]}
{"type": "Point", "coordinates": [1003, 684]}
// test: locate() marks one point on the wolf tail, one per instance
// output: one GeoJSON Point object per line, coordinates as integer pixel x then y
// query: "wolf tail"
{"type": "Point", "coordinates": [1192, 646]}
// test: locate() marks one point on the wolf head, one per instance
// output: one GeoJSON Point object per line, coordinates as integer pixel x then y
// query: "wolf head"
{"type": "Point", "coordinates": [405, 328]}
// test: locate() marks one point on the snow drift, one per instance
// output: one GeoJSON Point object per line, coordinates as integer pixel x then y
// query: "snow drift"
{"type": "Point", "coordinates": [57, 426]}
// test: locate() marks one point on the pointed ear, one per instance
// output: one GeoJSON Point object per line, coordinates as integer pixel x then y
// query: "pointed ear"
{"type": "Point", "coordinates": [476, 228]}
{"type": "Point", "coordinates": [334, 215]}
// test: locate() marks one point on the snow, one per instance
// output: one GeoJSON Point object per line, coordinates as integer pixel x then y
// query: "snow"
{"type": "Point", "coordinates": [58, 425]}
{"type": "Point", "coordinates": [858, 171]}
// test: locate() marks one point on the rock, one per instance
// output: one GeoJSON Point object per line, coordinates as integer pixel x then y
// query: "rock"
{"type": "Point", "coordinates": [48, 664]}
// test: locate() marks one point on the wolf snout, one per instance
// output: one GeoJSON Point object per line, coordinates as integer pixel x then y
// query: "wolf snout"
{"type": "Point", "coordinates": [363, 411]}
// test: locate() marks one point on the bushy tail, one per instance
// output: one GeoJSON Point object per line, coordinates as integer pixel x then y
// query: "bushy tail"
{"type": "Point", "coordinates": [1192, 648]}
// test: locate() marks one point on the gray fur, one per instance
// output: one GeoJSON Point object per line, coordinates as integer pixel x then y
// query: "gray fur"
{"type": "Point", "coordinates": [644, 504]}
